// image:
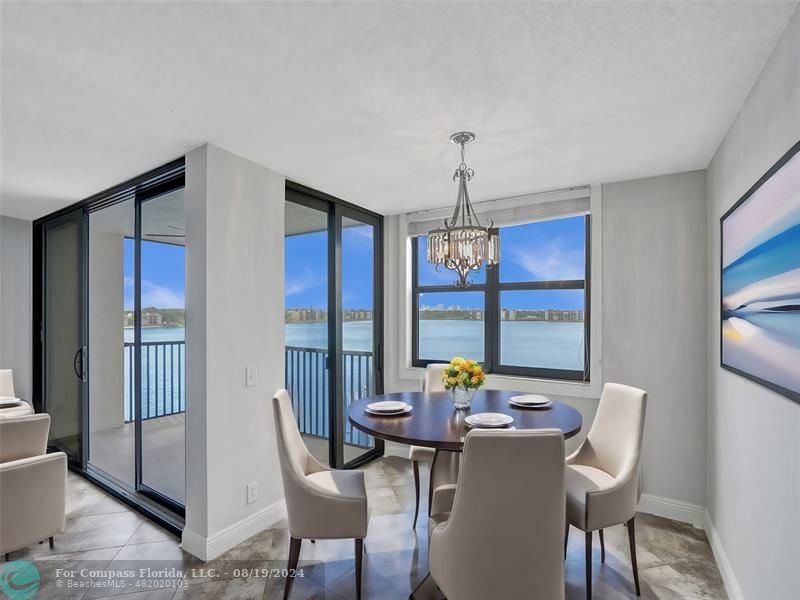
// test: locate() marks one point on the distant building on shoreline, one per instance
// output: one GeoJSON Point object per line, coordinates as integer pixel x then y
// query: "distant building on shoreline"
{"type": "Point", "coordinates": [317, 315]}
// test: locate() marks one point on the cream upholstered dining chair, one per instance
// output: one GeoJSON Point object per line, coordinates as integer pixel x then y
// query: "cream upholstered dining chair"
{"type": "Point", "coordinates": [321, 503]}
{"type": "Point", "coordinates": [7, 383]}
{"type": "Point", "coordinates": [7, 390]}
{"type": "Point", "coordinates": [603, 473]}
{"type": "Point", "coordinates": [419, 454]}
{"type": "Point", "coordinates": [33, 484]}
{"type": "Point", "coordinates": [503, 536]}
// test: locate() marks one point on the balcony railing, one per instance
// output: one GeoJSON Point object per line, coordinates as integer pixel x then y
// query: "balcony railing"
{"type": "Point", "coordinates": [306, 374]}
{"type": "Point", "coordinates": [163, 379]}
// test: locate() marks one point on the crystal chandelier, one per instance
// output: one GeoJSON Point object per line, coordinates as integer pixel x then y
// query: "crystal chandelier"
{"type": "Point", "coordinates": [463, 244]}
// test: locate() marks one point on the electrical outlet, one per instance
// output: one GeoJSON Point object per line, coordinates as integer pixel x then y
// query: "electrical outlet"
{"type": "Point", "coordinates": [252, 492]}
{"type": "Point", "coordinates": [251, 376]}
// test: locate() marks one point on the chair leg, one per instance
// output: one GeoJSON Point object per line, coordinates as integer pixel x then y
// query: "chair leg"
{"type": "Point", "coordinates": [359, 556]}
{"type": "Point", "coordinates": [432, 470]}
{"type": "Point", "coordinates": [602, 547]}
{"type": "Point", "coordinates": [419, 585]}
{"type": "Point", "coordinates": [415, 465]}
{"type": "Point", "coordinates": [588, 565]}
{"type": "Point", "coordinates": [51, 542]}
{"type": "Point", "coordinates": [632, 541]}
{"type": "Point", "coordinates": [294, 556]}
{"type": "Point", "coordinates": [566, 539]}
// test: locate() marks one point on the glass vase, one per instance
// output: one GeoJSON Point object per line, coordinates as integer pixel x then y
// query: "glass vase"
{"type": "Point", "coordinates": [462, 397]}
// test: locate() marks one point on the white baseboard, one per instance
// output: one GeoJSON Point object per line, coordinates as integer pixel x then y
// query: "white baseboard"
{"type": "Point", "coordinates": [672, 509]}
{"type": "Point", "coordinates": [208, 548]}
{"type": "Point", "coordinates": [725, 568]}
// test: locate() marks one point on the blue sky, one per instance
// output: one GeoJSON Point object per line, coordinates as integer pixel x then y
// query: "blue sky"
{"type": "Point", "coordinates": [306, 269]}
{"type": "Point", "coordinates": [547, 250]}
{"type": "Point", "coordinates": [163, 275]}
{"type": "Point", "coordinates": [531, 252]}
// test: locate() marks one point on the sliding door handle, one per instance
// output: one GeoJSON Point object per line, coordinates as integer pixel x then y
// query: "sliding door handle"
{"type": "Point", "coordinates": [80, 370]}
{"type": "Point", "coordinates": [78, 354]}
{"type": "Point", "coordinates": [83, 364]}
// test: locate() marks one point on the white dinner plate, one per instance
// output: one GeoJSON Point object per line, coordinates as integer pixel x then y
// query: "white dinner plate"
{"type": "Point", "coordinates": [387, 406]}
{"type": "Point", "coordinates": [489, 420]}
{"type": "Point", "coordinates": [547, 404]}
{"type": "Point", "coordinates": [9, 401]}
{"type": "Point", "coordinates": [383, 413]}
{"type": "Point", "coordinates": [530, 400]}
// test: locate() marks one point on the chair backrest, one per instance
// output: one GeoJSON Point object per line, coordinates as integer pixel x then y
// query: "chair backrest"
{"type": "Point", "coordinates": [292, 454]}
{"type": "Point", "coordinates": [505, 534]}
{"type": "Point", "coordinates": [23, 437]}
{"type": "Point", "coordinates": [7, 383]}
{"type": "Point", "coordinates": [614, 442]}
{"type": "Point", "coordinates": [433, 377]}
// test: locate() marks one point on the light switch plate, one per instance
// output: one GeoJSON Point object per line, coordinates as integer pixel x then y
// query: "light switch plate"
{"type": "Point", "coordinates": [251, 376]}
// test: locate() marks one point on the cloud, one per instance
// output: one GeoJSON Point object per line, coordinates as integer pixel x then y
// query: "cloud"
{"type": "Point", "coordinates": [550, 261]}
{"type": "Point", "coordinates": [302, 283]}
{"type": "Point", "coordinates": [160, 296]}
{"type": "Point", "coordinates": [154, 295]}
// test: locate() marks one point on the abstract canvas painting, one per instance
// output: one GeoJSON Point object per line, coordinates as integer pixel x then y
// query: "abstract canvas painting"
{"type": "Point", "coordinates": [760, 288]}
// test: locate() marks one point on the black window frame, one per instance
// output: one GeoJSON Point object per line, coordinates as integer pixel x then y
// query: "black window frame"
{"type": "Point", "coordinates": [492, 314]}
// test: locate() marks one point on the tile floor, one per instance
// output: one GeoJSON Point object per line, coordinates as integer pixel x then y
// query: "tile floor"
{"type": "Point", "coordinates": [675, 560]}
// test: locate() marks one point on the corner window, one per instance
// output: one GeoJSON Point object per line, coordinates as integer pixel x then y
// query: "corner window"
{"type": "Point", "coordinates": [528, 316]}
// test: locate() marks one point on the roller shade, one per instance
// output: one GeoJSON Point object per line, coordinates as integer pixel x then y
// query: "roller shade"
{"type": "Point", "coordinates": [510, 211]}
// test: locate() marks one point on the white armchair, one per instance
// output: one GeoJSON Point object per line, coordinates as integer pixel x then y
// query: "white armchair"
{"type": "Point", "coordinates": [32, 484]}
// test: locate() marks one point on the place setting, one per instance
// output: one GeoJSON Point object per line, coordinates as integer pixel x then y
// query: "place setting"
{"type": "Point", "coordinates": [388, 408]}
{"type": "Point", "coordinates": [530, 401]}
{"type": "Point", "coordinates": [488, 421]}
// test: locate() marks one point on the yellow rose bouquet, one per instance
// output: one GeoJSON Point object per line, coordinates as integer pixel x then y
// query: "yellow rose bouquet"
{"type": "Point", "coordinates": [462, 377]}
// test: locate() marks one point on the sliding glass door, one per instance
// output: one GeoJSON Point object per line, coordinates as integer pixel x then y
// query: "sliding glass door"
{"type": "Point", "coordinates": [333, 324]}
{"type": "Point", "coordinates": [63, 334]}
{"type": "Point", "coordinates": [110, 291]}
{"type": "Point", "coordinates": [160, 340]}
{"type": "Point", "coordinates": [359, 235]}
{"type": "Point", "coordinates": [307, 329]}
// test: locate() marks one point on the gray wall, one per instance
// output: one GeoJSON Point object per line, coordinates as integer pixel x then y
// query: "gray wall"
{"type": "Point", "coordinates": [753, 470]}
{"type": "Point", "coordinates": [16, 302]}
{"type": "Point", "coordinates": [654, 298]}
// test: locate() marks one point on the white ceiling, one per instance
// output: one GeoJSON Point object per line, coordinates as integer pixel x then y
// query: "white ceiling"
{"type": "Point", "coordinates": [358, 99]}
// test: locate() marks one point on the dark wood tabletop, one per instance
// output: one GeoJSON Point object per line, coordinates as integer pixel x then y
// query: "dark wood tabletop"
{"type": "Point", "coordinates": [435, 423]}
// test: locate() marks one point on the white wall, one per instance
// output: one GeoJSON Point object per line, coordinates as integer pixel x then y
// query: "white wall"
{"type": "Point", "coordinates": [234, 318]}
{"type": "Point", "coordinates": [654, 299]}
{"type": "Point", "coordinates": [16, 302]}
{"type": "Point", "coordinates": [753, 469]}
{"type": "Point", "coordinates": [653, 295]}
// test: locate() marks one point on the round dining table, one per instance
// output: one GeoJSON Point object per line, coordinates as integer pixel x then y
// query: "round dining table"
{"type": "Point", "coordinates": [433, 421]}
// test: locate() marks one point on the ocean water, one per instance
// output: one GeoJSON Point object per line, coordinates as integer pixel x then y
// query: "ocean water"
{"type": "Point", "coordinates": [544, 344]}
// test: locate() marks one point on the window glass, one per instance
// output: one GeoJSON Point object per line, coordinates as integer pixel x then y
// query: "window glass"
{"type": "Point", "coordinates": [428, 275]}
{"type": "Point", "coordinates": [451, 324]}
{"type": "Point", "coordinates": [542, 329]}
{"type": "Point", "coordinates": [552, 250]}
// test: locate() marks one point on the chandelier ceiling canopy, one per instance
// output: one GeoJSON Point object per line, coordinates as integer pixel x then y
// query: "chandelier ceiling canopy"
{"type": "Point", "coordinates": [463, 244]}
